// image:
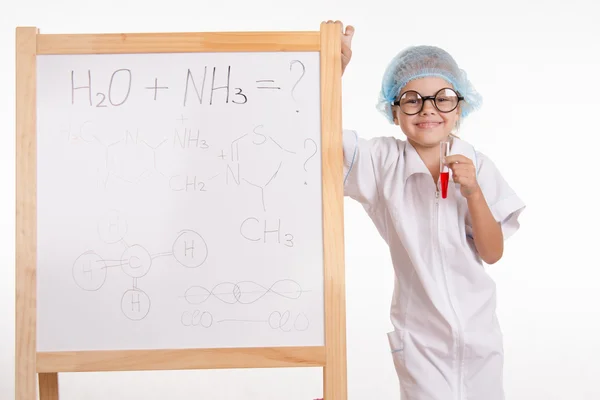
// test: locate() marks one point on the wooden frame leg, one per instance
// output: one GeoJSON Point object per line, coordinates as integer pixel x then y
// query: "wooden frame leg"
{"type": "Point", "coordinates": [48, 386]}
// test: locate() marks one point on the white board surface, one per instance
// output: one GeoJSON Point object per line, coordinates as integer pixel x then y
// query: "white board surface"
{"type": "Point", "coordinates": [179, 201]}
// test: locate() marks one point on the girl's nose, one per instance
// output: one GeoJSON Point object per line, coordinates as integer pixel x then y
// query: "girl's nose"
{"type": "Point", "coordinates": [428, 107]}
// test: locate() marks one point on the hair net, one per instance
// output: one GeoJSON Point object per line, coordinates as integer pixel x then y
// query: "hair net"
{"type": "Point", "coordinates": [421, 61]}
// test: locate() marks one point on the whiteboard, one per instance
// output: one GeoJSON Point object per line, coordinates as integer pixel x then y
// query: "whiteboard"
{"type": "Point", "coordinates": [179, 201]}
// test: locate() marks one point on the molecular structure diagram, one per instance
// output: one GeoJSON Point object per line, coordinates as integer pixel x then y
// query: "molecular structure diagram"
{"type": "Point", "coordinates": [133, 159]}
{"type": "Point", "coordinates": [90, 270]}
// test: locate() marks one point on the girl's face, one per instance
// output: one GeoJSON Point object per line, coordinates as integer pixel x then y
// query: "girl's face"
{"type": "Point", "coordinates": [430, 126]}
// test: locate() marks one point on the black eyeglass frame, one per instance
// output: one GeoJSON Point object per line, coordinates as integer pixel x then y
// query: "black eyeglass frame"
{"type": "Point", "coordinates": [432, 98]}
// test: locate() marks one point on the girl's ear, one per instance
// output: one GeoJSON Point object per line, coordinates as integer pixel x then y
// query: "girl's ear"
{"type": "Point", "coordinates": [458, 114]}
{"type": "Point", "coordinates": [395, 114]}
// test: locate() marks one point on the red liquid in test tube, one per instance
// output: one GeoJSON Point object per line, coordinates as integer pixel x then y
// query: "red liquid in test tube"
{"type": "Point", "coordinates": [444, 170]}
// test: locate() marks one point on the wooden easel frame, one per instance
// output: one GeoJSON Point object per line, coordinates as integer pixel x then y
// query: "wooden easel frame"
{"type": "Point", "coordinates": [28, 362]}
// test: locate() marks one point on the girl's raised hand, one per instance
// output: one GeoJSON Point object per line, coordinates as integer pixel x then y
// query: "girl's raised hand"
{"type": "Point", "coordinates": [346, 43]}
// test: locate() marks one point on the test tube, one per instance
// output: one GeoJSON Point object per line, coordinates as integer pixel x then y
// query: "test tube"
{"type": "Point", "coordinates": [444, 170]}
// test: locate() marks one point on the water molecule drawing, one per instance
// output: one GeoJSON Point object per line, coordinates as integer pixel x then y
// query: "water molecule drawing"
{"type": "Point", "coordinates": [90, 270]}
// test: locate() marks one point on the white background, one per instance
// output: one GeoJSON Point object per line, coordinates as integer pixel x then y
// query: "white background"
{"type": "Point", "coordinates": [536, 64]}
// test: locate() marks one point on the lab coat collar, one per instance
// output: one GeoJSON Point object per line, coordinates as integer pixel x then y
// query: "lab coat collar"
{"type": "Point", "coordinates": [414, 164]}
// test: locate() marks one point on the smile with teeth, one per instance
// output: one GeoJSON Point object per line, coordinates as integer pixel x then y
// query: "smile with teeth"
{"type": "Point", "coordinates": [429, 124]}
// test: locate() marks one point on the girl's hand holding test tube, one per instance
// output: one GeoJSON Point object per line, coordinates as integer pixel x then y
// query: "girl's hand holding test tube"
{"type": "Point", "coordinates": [463, 173]}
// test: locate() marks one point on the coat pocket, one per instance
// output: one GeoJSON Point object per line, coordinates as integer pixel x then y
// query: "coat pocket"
{"type": "Point", "coordinates": [398, 347]}
{"type": "Point", "coordinates": [396, 343]}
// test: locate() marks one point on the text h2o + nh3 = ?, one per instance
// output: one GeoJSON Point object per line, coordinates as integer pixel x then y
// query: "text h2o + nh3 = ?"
{"type": "Point", "coordinates": [118, 75]}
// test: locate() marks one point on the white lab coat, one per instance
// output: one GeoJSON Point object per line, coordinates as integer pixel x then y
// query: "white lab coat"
{"type": "Point", "coordinates": [446, 343]}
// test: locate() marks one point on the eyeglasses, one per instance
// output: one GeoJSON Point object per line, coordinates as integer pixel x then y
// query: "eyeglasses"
{"type": "Point", "coordinates": [445, 100]}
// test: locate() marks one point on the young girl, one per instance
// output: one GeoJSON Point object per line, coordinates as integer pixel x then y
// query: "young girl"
{"type": "Point", "coordinates": [446, 343]}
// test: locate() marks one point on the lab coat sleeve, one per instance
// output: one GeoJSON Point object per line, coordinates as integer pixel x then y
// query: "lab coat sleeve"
{"type": "Point", "coordinates": [506, 206]}
{"type": "Point", "coordinates": [360, 174]}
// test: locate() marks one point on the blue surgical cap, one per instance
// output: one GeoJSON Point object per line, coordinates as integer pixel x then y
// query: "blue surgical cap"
{"type": "Point", "coordinates": [422, 61]}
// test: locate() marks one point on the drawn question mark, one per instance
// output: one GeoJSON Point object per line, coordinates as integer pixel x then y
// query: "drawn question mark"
{"type": "Point", "coordinates": [313, 153]}
{"type": "Point", "coordinates": [299, 79]}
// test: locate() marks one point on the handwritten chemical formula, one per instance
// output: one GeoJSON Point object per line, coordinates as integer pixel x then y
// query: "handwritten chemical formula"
{"type": "Point", "coordinates": [206, 92]}
{"type": "Point", "coordinates": [117, 165]}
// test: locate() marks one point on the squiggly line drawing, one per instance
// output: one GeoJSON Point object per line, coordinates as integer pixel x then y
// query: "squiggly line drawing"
{"type": "Point", "coordinates": [280, 321]}
{"type": "Point", "coordinates": [315, 152]}
{"type": "Point", "coordinates": [245, 292]}
{"type": "Point", "coordinates": [276, 320]}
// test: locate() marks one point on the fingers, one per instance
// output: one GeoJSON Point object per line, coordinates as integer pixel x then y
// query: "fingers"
{"type": "Point", "coordinates": [463, 176]}
{"type": "Point", "coordinates": [346, 50]}
{"type": "Point", "coordinates": [462, 169]}
{"type": "Point", "coordinates": [463, 173]}
{"type": "Point", "coordinates": [457, 158]}
{"type": "Point", "coordinates": [462, 180]}
{"type": "Point", "coordinates": [347, 33]}
{"type": "Point", "coordinates": [346, 39]}
{"type": "Point", "coordinates": [460, 165]}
